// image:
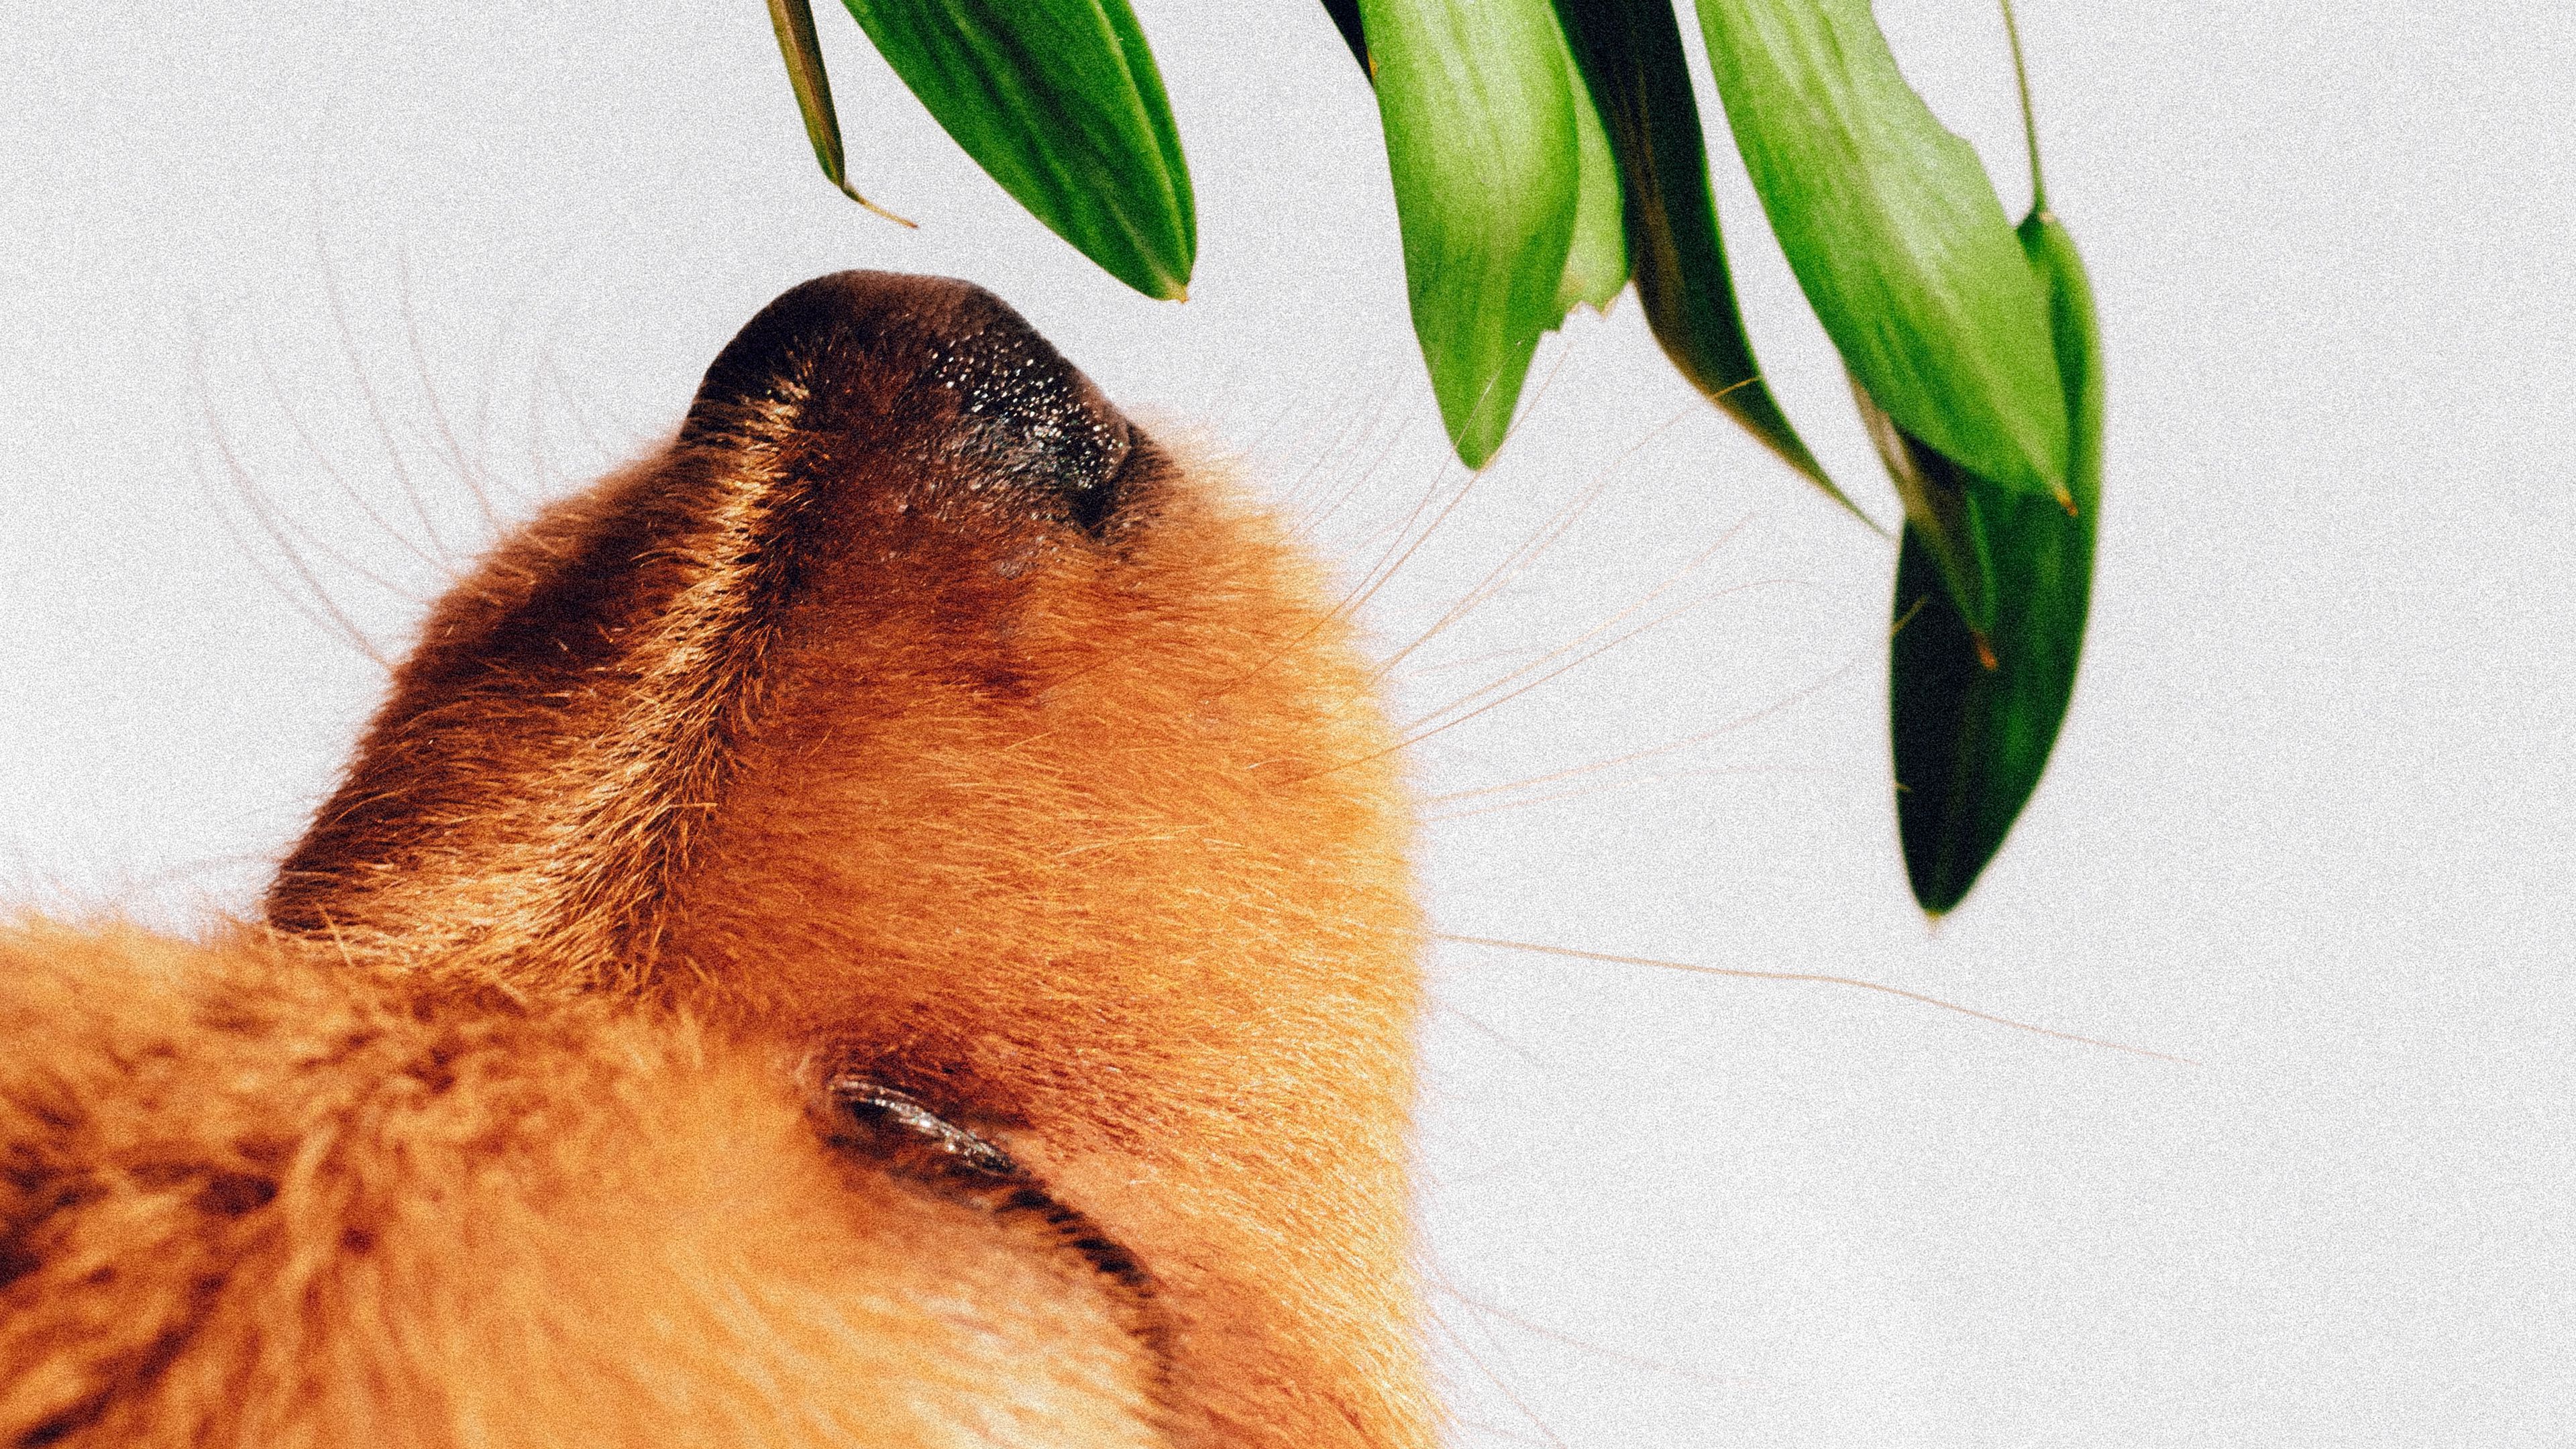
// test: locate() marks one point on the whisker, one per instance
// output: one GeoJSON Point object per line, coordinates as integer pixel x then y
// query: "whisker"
{"type": "Point", "coordinates": [1349, 420]}
{"type": "Point", "coordinates": [1853, 981]}
{"type": "Point", "coordinates": [1609, 786]}
{"type": "Point", "coordinates": [1359, 595]}
{"type": "Point", "coordinates": [1579, 640]}
{"type": "Point", "coordinates": [584, 421]}
{"type": "Point", "coordinates": [1633, 1360]}
{"type": "Point", "coordinates": [356, 497]}
{"type": "Point", "coordinates": [466, 473]}
{"type": "Point", "coordinates": [385, 438]}
{"type": "Point", "coordinates": [1421, 672]}
{"type": "Point", "coordinates": [1459, 1339]}
{"type": "Point", "coordinates": [1739, 722]}
{"type": "Point", "coordinates": [1560, 651]}
{"type": "Point", "coordinates": [1389, 571]}
{"type": "Point", "coordinates": [1409, 740]}
{"type": "Point", "coordinates": [321, 611]}
{"type": "Point", "coordinates": [1412, 739]}
{"type": "Point", "coordinates": [1515, 565]}
{"type": "Point", "coordinates": [322, 614]}
{"type": "Point", "coordinates": [1491, 1033]}
{"type": "Point", "coordinates": [296, 538]}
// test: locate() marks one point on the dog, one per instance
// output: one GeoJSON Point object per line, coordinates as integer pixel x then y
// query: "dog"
{"type": "Point", "coordinates": [885, 923]}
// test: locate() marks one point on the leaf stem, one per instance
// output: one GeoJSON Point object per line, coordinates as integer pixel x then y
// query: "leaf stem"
{"type": "Point", "coordinates": [2029, 122]}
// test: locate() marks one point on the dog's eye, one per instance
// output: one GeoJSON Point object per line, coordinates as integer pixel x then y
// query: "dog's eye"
{"type": "Point", "coordinates": [914, 714]}
{"type": "Point", "coordinates": [901, 1136]}
{"type": "Point", "coordinates": [912, 1141]}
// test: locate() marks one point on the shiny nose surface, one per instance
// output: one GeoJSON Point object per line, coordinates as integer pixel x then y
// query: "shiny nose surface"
{"type": "Point", "coordinates": [936, 375]}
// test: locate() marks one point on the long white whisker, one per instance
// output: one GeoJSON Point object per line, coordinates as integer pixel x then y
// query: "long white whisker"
{"type": "Point", "coordinates": [1748, 974]}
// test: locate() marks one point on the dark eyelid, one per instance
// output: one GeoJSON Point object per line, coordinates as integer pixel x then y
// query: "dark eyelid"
{"type": "Point", "coordinates": [880, 1116]}
{"type": "Point", "coordinates": [913, 1142]}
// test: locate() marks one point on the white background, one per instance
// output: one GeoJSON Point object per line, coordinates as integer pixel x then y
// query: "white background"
{"type": "Point", "coordinates": [2309, 824]}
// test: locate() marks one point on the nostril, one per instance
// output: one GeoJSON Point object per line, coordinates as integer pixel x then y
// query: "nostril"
{"type": "Point", "coordinates": [1037, 422]}
{"type": "Point", "coordinates": [936, 375]}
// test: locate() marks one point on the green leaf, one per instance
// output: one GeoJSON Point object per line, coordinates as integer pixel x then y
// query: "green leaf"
{"type": "Point", "coordinates": [794, 22]}
{"type": "Point", "coordinates": [1895, 234]}
{"type": "Point", "coordinates": [1975, 711]}
{"type": "Point", "coordinates": [1934, 491]}
{"type": "Point", "coordinates": [1480, 140]}
{"type": "Point", "coordinates": [1629, 54]}
{"type": "Point", "coordinates": [1596, 253]}
{"type": "Point", "coordinates": [1346, 19]}
{"type": "Point", "coordinates": [1059, 101]}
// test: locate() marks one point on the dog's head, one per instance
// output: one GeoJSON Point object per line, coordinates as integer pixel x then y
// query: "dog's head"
{"type": "Point", "coordinates": [918, 731]}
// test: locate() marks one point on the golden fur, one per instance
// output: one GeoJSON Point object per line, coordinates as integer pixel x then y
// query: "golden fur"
{"type": "Point", "coordinates": [884, 924]}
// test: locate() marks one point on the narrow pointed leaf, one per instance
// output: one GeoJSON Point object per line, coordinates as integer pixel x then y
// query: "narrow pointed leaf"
{"type": "Point", "coordinates": [1971, 738]}
{"type": "Point", "coordinates": [1895, 235]}
{"type": "Point", "coordinates": [1346, 19]}
{"type": "Point", "coordinates": [794, 22]}
{"type": "Point", "coordinates": [1629, 53]}
{"type": "Point", "coordinates": [1596, 253]}
{"type": "Point", "coordinates": [1934, 491]}
{"type": "Point", "coordinates": [1059, 101]}
{"type": "Point", "coordinates": [1480, 141]}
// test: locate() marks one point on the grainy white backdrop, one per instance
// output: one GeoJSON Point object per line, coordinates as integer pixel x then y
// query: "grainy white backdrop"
{"type": "Point", "coordinates": [297, 272]}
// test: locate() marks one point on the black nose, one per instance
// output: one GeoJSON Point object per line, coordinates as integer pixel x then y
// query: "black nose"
{"type": "Point", "coordinates": [935, 375]}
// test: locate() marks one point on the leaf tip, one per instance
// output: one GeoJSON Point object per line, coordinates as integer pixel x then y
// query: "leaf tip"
{"type": "Point", "coordinates": [852, 192]}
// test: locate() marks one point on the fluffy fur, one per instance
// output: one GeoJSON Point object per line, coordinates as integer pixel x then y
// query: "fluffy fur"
{"type": "Point", "coordinates": [912, 731]}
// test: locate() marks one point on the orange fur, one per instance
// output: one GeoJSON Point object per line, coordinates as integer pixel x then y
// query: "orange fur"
{"type": "Point", "coordinates": [911, 721]}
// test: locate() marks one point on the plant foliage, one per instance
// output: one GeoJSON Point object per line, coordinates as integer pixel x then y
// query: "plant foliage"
{"type": "Point", "coordinates": [1547, 152]}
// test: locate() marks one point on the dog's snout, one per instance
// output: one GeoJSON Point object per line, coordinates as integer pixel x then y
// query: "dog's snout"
{"type": "Point", "coordinates": [958, 402]}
